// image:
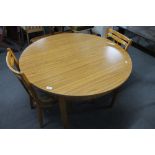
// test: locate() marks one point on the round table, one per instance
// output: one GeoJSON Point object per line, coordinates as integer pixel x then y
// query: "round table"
{"type": "Point", "coordinates": [74, 65]}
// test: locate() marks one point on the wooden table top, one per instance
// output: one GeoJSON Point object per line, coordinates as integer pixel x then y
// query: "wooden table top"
{"type": "Point", "coordinates": [74, 64]}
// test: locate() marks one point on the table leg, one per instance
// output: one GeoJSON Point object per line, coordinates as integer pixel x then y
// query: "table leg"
{"type": "Point", "coordinates": [115, 92]}
{"type": "Point", "coordinates": [63, 111]}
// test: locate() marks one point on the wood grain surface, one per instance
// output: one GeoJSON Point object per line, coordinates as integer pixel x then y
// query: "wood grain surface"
{"type": "Point", "coordinates": [73, 64]}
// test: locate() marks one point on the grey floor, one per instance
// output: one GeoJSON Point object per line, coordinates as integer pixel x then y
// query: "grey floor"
{"type": "Point", "coordinates": [134, 107]}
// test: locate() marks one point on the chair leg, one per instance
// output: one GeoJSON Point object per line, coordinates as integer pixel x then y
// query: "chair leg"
{"type": "Point", "coordinates": [69, 107]}
{"type": "Point", "coordinates": [27, 35]}
{"type": "Point", "coordinates": [91, 32]}
{"type": "Point", "coordinates": [22, 35]}
{"type": "Point", "coordinates": [114, 98]}
{"type": "Point", "coordinates": [40, 116]}
{"type": "Point", "coordinates": [32, 103]}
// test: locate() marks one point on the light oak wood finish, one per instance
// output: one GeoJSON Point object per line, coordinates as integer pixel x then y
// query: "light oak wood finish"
{"type": "Point", "coordinates": [76, 65]}
{"type": "Point", "coordinates": [118, 38]}
{"type": "Point", "coordinates": [12, 64]}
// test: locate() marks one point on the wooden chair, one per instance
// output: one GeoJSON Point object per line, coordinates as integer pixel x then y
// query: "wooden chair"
{"type": "Point", "coordinates": [118, 38]}
{"type": "Point", "coordinates": [32, 29]}
{"type": "Point", "coordinates": [78, 29]}
{"type": "Point", "coordinates": [38, 99]}
{"type": "Point", "coordinates": [43, 36]}
{"type": "Point", "coordinates": [46, 35]}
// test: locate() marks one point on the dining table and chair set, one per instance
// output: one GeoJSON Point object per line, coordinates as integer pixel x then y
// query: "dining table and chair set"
{"type": "Point", "coordinates": [67, 67]}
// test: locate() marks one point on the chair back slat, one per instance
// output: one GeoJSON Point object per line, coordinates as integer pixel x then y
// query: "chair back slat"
{"type": "Point", "coordinates": [118, 38]}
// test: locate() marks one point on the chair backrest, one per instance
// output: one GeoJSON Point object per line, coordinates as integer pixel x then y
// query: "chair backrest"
{"type": "Point", "coordinates": [118, 38]}
{"type": "Point", "coordinates": [13, 65]}
{"type": "Point", "coordinates": [32, 29]}
{"type": "Point", "coordinates": [78, 29]}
